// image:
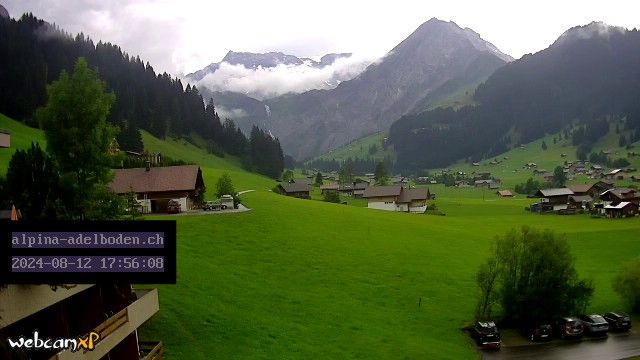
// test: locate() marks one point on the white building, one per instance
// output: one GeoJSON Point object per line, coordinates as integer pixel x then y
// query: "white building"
{"type": "Point", "coordinates": [397, 198]}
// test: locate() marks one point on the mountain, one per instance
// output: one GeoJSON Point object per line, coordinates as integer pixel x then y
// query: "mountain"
{"type": "Point", "coordinates": [267, 60]}
{"type": "Point", "coordinates": [3, 12]}
{"type": "Point", "coordinates": [578, 85]}
{"type": "Point", "coordinates": [435, 55]}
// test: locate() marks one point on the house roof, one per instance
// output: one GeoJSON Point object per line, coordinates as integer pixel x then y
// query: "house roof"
{"type": "Point", "coordinates": [295, 187]}
{"type": "Point", "coordinates": [505, 193]}
{"type": "Point", "coordinates": [613, 172]}
{"type": "Point", "coordinates": [303, 181]}
{"type": "Point", "coordinates": [619, 192]}
{"type": "Point", "coordinates": [580, 188]}
{"type": "Point", "coordinates": [581, 198]}
{"type": "Point", "coordinates": [156, 179]}
{"type": "Point", "coordinates": [332, 186]}
{"type": "Point", "coordinates": [381, 191]}
{"type": "Point", "coordinates": [407, 195]}
{"type": "Point", "coordinates": [620, 205]}
{"type": "Point", "coordinates": [360, 185]}
{"type": "Point", "coordinates": [554, 192]}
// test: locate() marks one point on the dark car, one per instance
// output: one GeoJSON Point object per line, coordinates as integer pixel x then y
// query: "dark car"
{"type": "Point", "coordinates": [595, 324]}
{"type": "Point", "coordinates": [486, 334]}
{"type": "Point", "coordinates": [618, 321]}
{"type": "Point", "coordinates": [173, 207]}
{"type": "Point", "coordinates": [568, 327]}
{"type": "Point", "coordinates": [539, 332]}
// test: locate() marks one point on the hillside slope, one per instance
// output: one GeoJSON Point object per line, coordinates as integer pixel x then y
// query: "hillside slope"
{"type": "Point", "coordinates": [582, 80]}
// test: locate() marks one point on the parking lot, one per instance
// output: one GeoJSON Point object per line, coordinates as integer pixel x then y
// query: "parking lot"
{"type": "Point", "coordinates": [613, 346]}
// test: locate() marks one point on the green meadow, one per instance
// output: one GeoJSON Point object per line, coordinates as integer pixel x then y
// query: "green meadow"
{"type": "Point", "coordinates": [305, 279]}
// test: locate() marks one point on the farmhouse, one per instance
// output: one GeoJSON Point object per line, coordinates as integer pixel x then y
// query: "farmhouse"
{"type": "Point", "coordinates": [504, 193]}
{"type": "Point", "coordinates": [621, 209]}
{"type": "Point", "coordinates": [397, 198]}
{"type": "Point", "coordinates": [155, 186]}
{"type": "Point", "coordinates": [296, 189]}
{"type": "Point", "coordinates": [329, 188]}
{"type": "Point", "coordinates": [553, 199]}
{"type": "Point", "coordinates": [613, 196]}
{"type": "Point", "coordinates": [359, 187]}
{"type": "Point", "coordinates": [584, 189]}
{"type": "Point", "coordinates": [617, 174]}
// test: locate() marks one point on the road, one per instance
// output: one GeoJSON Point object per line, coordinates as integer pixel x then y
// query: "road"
{"type": "Point", "coordinates": [614, 346]}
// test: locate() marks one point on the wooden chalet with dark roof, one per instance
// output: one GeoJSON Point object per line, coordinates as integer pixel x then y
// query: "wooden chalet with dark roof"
{"type": "Point", "coordinates": [295, 189]}
{"type": "Point", "coordinates": [155, 186]}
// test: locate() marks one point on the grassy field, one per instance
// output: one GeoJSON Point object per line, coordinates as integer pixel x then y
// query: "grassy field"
{"type": "Point", "coordinates": [300, 279]}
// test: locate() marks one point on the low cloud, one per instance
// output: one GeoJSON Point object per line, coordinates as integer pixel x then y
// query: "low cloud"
{"type": "Point", "coordinates": [225, 113]}
{"type": "Point", "coordinates": [264, 83]}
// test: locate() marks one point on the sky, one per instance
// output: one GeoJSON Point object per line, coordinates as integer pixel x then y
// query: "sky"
{"type": "Point", "coordinates": [183, 36]}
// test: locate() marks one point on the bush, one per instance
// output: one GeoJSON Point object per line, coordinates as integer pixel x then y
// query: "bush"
{"type": "Point", "coordinates": [627, 284]}
{"type": "Point", "coordinates": [331, 196]}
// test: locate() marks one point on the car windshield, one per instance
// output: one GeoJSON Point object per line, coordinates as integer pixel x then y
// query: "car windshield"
{"type": "Point", "coordinates": [597, 319]}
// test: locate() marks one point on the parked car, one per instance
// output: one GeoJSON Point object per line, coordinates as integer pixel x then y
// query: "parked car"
{"type": "Point", "coordinates": [568, 327]}
{"type": "Point", "coordinates": [486, 334]}
{"type": "Point", "coordinates": [595, 324]}
{"type": "Point", "coordinates": [538, 332]}
{"type": "Point", "coordinates": [618, 321]}
{"type": "Point", "coordinates": [173, 207]}
{"type": "Point", "coordinates": [213, 206]}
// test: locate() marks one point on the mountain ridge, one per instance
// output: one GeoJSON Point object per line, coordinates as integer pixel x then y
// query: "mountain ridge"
{"type": "Point", "coordinates": [435, 54]}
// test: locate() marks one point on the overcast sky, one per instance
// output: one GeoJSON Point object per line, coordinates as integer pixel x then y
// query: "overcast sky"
{"type": "Point", "coordinates": [184, 36]}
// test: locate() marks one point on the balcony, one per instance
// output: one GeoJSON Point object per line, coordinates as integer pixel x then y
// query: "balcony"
{"type": "Point", "coordinates": [113, 330]}
{"type": "Point", "coordinates": [20, 301]}
{"type": "Point", "coordinates": [151, 350]}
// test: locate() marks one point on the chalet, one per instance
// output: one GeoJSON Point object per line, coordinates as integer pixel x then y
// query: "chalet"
{"type": "Point", "coordinates": [617, 174]}
{"type": "Point", "coordinates": [155, 186]}
{"type": "Point", "coordinates": [504, 193]}
{"type": "Point", "coordinates": [585, 189]}
{"type": "Point", "coordinates": [602, 186]}
{"type": "Point", "coordinates": [296, 189]}
{"type": "Point", "coordinates": [553, 199]}
{"type": "Point", "coordinates": [5, 139]}
{"type": "Point", "coordinates": [397, 198]}
{"type": "Point", "coordinates": [621, 209]}
{"type": "Point", "coordinates": [617, 195]}
{"type": "Point", "coordinates": [359, 188]}
{"type": "Point", "coordinates": [547, 176]}
{"type": "Point", "coordinates": [461, 183]}
{"type": "Point", "coordinates": [329, 188]}
{"type": "Point", "coordinates": [489, 184]}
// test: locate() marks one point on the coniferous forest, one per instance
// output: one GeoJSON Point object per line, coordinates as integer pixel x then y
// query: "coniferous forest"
{"type": "Point", "coordinates": [33, 53]}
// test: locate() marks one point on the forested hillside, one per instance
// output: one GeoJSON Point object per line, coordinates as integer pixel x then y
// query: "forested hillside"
{"type": "Point", "coordinates": [576, 86]}
{"type": "Point", "coordinates": [33, 53]}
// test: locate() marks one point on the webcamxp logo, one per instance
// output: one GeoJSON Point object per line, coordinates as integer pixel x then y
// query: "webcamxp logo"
{"type": "Point", "coordinates": [86, 343]}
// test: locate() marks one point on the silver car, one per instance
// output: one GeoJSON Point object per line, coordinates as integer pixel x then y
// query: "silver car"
{"type": "Point", "coordinates": [595, 324]}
